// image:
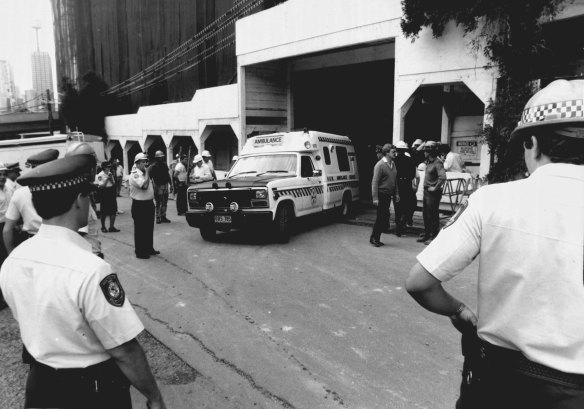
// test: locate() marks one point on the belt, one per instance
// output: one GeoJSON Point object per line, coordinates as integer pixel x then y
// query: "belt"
{"type": "Point", "coordinates": [517, 362]}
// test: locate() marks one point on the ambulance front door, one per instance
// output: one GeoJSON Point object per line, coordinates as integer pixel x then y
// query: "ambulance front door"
{"type": "Point", "coordinates": [313, 194]}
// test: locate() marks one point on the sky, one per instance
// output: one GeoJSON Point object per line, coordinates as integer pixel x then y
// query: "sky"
{"type": "Point", "coordinates": [18, 38]}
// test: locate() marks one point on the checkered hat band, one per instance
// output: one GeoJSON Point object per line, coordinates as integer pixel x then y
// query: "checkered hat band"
{"type": "Point", "coordinates": [59, 185]}
{"type": "Point", "coordinates": [553, 111]}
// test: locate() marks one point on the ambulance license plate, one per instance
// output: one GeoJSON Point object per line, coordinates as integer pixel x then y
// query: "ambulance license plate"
{"type": "Point", "coordinates": [222, 219]}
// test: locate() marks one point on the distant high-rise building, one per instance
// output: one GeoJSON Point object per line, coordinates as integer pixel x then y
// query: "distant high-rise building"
{"type": "Point", "coordinates": [42, 74]}
{"type": "Point", "coordinates": [7, 88]}
{"type": "Point", "coordinates": [30, 99]}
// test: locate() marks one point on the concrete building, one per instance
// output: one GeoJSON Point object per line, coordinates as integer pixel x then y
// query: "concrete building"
{"type": "Point", "coordinates": [42, 73]}
{"type": "Point", "coordinates": [341, 66]}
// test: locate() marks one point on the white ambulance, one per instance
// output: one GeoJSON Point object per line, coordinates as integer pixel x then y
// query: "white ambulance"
{"type": "Point", "coordinates": [276, 179]}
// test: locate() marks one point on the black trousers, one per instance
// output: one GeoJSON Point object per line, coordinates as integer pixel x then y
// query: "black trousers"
{"type": "Point", "coordinates": [382, 219]}
{"type": "Point", "coordinates": [181, 197]}
{"type": "Point", "coordinates": [507, 380]}
{"type": "Point", "coordinates": [432, 212]}
{"type": "Point", "coordinates": [404, 209]}
{"type": "Point", "coordinates": [99, 386]}
{"type": "Point", "coordinates": [143, 215]}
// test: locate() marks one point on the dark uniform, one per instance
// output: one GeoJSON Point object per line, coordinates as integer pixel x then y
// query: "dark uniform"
{"type": "Point", "coordinates": [435, 177]}
{"type": "Point", "coordinates": [161, 178]}
{"type": "Point", "coordinates": [406, 174]}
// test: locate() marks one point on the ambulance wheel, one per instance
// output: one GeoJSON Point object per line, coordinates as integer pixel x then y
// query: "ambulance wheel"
{"type": "Point", "coordinates": [282, 223]}
{"type": "Point", "coordinates": [346, 207]}
{"type": "Point", "coordinates": [208, 233]}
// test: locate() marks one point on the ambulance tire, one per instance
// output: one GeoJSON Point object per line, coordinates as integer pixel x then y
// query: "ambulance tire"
{"type": "Point", "coordinates": [346, 209]}
{"type": "Point", "coordinates": [283, 222]}
{"type": "Point", "coordinates": [208, 232]}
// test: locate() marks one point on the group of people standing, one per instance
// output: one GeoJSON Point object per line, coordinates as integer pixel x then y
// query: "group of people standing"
{"type": "Point", "coordinates": [396, 178]}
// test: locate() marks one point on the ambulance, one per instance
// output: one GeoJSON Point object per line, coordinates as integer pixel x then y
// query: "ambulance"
{"type": "Point", "coordinates": [276, 179]}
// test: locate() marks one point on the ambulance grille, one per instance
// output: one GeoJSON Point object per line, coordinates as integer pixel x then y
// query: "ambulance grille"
{"type": "Point", "coordinates": [222, 198]}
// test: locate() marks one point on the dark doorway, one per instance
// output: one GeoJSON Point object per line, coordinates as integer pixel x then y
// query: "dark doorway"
{"type": "Point", "coordinates": [132, 152]}
{"type": "Point", "coordinates": [353, 100]}
{"type": "Point", "coordinates": [222, 144]}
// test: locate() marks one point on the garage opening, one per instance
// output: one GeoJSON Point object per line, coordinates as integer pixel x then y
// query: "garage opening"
{"type": "Point", "coordinates": [222, 144]}
{"type": "Point", "coordinates": [355, 100]}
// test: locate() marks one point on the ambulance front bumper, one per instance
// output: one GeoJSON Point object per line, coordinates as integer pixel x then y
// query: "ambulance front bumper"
{"type": "Point", "coordinates": [227, 219]}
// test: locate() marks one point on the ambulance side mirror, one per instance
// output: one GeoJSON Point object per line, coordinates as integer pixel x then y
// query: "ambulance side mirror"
{"type": "Point", "coordinates": [317, 173]}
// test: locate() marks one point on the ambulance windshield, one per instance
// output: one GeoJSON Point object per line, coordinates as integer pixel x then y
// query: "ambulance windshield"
{"type": "Point", "coordinates": [284, 164]}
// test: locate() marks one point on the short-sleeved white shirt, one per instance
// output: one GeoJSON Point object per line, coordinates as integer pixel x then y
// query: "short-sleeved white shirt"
{"type": "Point", "coordinates": [202, 172]}
{"type": "Point", "coordinates": [5, 196]}
{"type": "Point", "coordinates": [181, 172]}
{"type": "Point", "coordinates": [21, 206]}
{"type": "Point", "coordinates": [53, 285]}
{"type": "Point", "coordinates": [529, 236]}
{"type": "Point", "coordinates": [137, 191]}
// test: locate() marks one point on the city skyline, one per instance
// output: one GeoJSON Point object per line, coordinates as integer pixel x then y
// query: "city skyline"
{"type": "Point", "coordinates": [18, 39]}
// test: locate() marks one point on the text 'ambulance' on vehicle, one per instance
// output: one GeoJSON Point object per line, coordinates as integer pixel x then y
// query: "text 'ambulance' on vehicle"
{"type": "Point", "coordinates": [277, 178]}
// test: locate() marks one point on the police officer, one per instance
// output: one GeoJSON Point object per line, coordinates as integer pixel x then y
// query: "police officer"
{"type": "Point", "coordinates": [407, 183]}
{"type": "Point", "coordinates": [159, 173]}
{"type": "Point", "coordinates": [142, 194]}
{"type": "Point", "coordinates": [78, 328]}
{"type": "Point", "coordinates": [528, 236]}
{"type": "Point", "coordinates": [13, 172]}
{"type": "Point", "coordinates": [21, 207]}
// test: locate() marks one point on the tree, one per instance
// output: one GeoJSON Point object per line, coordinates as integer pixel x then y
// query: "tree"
{"type": "Point", "coordinates": [510, 35]}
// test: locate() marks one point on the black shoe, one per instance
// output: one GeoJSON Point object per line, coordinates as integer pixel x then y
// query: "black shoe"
{"type": "Point", "coordinates": [398, 233]}
{"type": "Point", "coordinates": [103, 230]}
{"type": "Point", "coordinates": [375, 242]}
{"type": "Point", "coordinates": [165, 221]}
{"type": "Point", "coordinates": [410, 222]}
{"type": "Point", "coordinates": [154, 252]}
{"type": "Point", "coordinates": [423, 238]}
{"type": "Point", "coordinates": [144, 256]}
{"type": "Point", "coordinates": [158, 222]}
{"type": "Point", "coordinates": [113, 230]}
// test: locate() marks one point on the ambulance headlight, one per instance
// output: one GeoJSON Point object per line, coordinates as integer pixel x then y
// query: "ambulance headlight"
{"type": "Point", "coordinates": [193, 196]}
{"type": "Point", "coordinates": [307, 144]}
{"type": "Point", "coordinates": [261, 194]}
{"type": "Point", "coordinates": [233, 206]}
{"type": "Point", "coordinates": [209, 206]}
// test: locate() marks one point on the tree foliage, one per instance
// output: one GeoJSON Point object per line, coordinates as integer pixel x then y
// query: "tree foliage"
{"type": "Point", "coordinates": [510, 35]}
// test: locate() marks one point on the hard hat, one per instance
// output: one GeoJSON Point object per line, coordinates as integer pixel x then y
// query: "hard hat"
{"type": "Point", "coordinates": [561, 103]}
{"type": "Point", "coordinates": [401, 145]}
{"type": "Point", "coordinates": [3, 166]}
{"type": "Point", "coordinates": [140, 156]}
{"type": "Point", "coordinates": [159, 154]}
{"type": "Point", "coordinates": [235, 157]}
{"type": "Point", "coordinates": [417, 142]}
{"type": "Point", "coordinates": [206, 154]}
{"type": "Point", "coordinates": [198, 158]}
{"type": "Point", "coordinates": [80, 149]}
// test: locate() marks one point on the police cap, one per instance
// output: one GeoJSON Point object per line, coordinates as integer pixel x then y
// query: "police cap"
{"type": "Point", "coordinates": [76, 170]}
{"type": "Point", "coordinates": [559, 105]}
{"type": "Point", "coordinates": [43, 157]}
{"type": "Point", "coordinates": [430, 146]}
{"type": "Point", "coordinates": [13, 167]}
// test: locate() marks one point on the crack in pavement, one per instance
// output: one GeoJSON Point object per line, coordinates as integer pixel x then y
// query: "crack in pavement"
{"type": "Point", "coordinates": [249, 378]}
{"type": "Point", "coordinates": [246, 317]}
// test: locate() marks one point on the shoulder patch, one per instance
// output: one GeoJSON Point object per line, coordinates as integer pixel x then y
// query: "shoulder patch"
{"type": "Point", "coordinates": [112, 290]}
{"type": "Point", "coordinates": [456, 215]}
{"type": "Point", "coordinates": [136, 175]}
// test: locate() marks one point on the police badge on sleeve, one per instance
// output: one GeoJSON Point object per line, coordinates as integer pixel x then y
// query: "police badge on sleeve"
{"type": "Point", "coordinates": [112, 290]}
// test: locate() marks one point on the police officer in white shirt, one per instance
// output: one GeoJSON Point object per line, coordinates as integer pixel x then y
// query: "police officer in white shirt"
{"type": "Point", "coordinates": [207, 161]}
{"type": "Point", "coordinates": [78, 328]}
{"type": "Point", "coordinates": [21, 207]}
{"type": "Point", "coordinates": [142, 194]}
{"type": "Point", "coordinates": [528, 236]}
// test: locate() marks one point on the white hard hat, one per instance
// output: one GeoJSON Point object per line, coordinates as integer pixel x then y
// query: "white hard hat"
{"type": "Point", "coordinates": [3, 166]}
{"type": "Point", "coordinates": [140, 156]}
{"type": "Point", "coordinates": [401, 145]}
{"type": "Point", "coordinates": [206, 154]}
{"type": "Point", "coordinates": [235, 157]}
{"type": "Point", "coordinates": [198, 158]}
{"type": "Point", "coordinates": [417, 142]}
{"type": "Point", "coordinates": [559, 104]}
{"type": "Point", "coordinates": [159, 154]}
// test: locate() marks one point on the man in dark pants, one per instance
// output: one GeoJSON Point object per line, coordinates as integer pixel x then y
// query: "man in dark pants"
{"type": "Point", "coordinates": [181, 185]}
{"type": "Point", "coordinates": [524, 347]}
{"type": "Point", "coordinates": [407, 185]}
{"type": "Point", "coordinates": [142, 194]}
{"type": "Point", "coordinates": [383, 189]}
{"type": "Point", "coordinates": [435, 177]}
{"type": "Point", "coordinates": [78, 328]}
{"type": "Point", "coordinates": [161, 180]}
